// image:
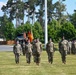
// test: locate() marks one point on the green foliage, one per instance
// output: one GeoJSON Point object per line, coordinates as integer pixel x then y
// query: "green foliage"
{"type": "Point", "coordinates": [27, 27]}
{"type": "Point", "coordinates": [23, 28]}
{"type": "Point", "coordinates": [67, 30]}
{"type": "Point", "coordinates": [53, 29]}
{"type": "Point", "coordinates": [7, 28]}
{"type": "Point", "coordinates": [9, 31]}
{"type": "Point", "coordinates": [18, 30]}
{"type": "Point", "coordinates": [57, 31]}
{"type": "Point", "coordinates": [38, 31]}
{"type": "Point", "coordinates": [73, 19]}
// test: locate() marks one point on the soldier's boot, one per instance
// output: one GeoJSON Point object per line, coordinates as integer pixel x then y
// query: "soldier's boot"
{"type": "Point", "coordinates": [16, 60]}
{"type": "Point", "coordinates": [34, 59]}
{"type": "Point", "coordinates": [48, 59]}
{"type": "Point", "coordinates": [29, 61]}
{"type": "Point", "coordinates": [51, 60]}
{"type": "Point", "coordinates": [38, 61]}
{"type": "Point", "coordinates": [64, 60]}
{"type": "Point", "coordinates": [37, 64]}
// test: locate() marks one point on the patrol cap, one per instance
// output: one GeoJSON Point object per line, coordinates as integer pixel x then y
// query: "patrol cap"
{"type": "Point", "coordinates": [17, 42]}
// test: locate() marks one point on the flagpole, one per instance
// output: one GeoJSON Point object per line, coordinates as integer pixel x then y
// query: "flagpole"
{"type": "Point", "coordinates": [46, 31]}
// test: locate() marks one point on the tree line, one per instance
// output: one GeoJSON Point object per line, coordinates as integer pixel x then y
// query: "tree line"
{"type": "Point", "coordinates": [59, 23]}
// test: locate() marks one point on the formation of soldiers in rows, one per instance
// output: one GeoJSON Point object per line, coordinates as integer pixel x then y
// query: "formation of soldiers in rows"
{"type": "Point", "coordinates": [28, 50]}
{"type": "Point", "coordinates": [35, 48]}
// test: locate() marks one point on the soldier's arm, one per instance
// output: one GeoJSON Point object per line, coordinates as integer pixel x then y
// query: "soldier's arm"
{"type": "Point", "coordinates": [31, 48]}
{"type": "Point", "coordinates": [14, 49]}
{"type": "Point", "coordinates": [53, 47]}
{"type": "Point", "coordinates": [67, 46]}
{"type": "Point", "coordinates": [20, 49]}
{"type": "Point", "coordinates": [41, 46]}
{"type": "Point", "coordinates": [59, 46]}
{"type": "Point", "coordinates": [47, 47]}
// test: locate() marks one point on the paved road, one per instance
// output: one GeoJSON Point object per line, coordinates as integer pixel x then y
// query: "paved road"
{"type": "Point", "coordinates": [6, 48]}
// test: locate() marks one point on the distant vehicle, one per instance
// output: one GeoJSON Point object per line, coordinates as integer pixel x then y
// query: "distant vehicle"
{"type": "Point", "coordinates": [1, 39]}
{"type": "Point", "coordinates": [20, 38]}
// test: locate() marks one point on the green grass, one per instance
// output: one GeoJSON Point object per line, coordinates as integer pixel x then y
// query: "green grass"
{"type": "Point", "coordinates": [8, 66]}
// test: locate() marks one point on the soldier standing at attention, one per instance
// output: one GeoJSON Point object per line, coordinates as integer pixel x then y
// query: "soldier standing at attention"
{"type": "Point", "coordinates": [28, 48]}
{"type": "Point", "coordinates": [38, 46]}
{"type": "Point", "coordinates": [74, 43]}
{"type": "Point", "coordinates": [23, 48]}
{"type": "Point", "coordinates": [50, 51]}
{"type": "Point", "coordinates": [69, 47]}
{"type": "Point", "coordinates": [17, 49]}
{"type": "Point", "coordinates": [34, 49]}
{"type": "Point", "coordinates": [64, 49]}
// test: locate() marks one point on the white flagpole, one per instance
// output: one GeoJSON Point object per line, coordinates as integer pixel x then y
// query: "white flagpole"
{"type": "Point", "coordinates": [46, 31]}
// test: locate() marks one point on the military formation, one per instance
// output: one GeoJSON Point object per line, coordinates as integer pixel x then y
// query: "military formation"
{"type": "Point", "coordinates": [28, 49]}
{"type": "Point", "coordinates": [35, 49]}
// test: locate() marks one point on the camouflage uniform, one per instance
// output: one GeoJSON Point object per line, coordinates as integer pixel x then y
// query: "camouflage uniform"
{"type": "Point", "coordinates": [59, 46]}
{"type": "Point", "coordinates": [69, 47]}
{"type": "Point", "coordinates": [28, 48]}
{"type": "Point", "coordinates": [38, 50]}
{"type": "Point", "coordinates": [50, 51]}
{"type": "Point", "coordinates": [64, 49]}
{"type": "Point", "coordinates": [23, 48]}
{"type": "Point", "coordinates": [74, 47]}
{"type": "Point", "coordinates": [17, 49]}
{"type": "Point", "coordinates": [34, 49]}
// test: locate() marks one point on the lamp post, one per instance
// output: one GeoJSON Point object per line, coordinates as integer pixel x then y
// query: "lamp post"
{"type": "Point", "coordinates": [46, 31]}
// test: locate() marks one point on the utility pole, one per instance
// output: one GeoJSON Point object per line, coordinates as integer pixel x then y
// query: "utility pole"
{"type": "Point", "coordinates": [46, 31]}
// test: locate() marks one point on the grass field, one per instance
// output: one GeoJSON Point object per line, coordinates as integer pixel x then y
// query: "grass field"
{"type": "Point", "coordinates": [8, 66]}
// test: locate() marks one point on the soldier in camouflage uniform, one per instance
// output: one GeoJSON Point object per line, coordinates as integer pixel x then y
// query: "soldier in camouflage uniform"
{"type": "Point", "coordinates": [17, 49]}
{"type": "Point", "coordinates": [74, 47]}
{"type": "Point", "coordinates": [59, 46]}
{"type": "Point", "coordinates": [63, 49]}
{"type": "Point", "coordinates": [38, 50]}
{"type": "Point", "coordinates": [28, 48]}
{"type": "Point", "coordinates": [23, 48]}
{"type": "Point", "coordinates": [69, 47]}
{"type": "Point", "coordinates": [50, 50]}
{"type": "Point", "coordinates": [34, 49]}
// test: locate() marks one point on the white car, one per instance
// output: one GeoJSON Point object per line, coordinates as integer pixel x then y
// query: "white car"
{"type": "Point", "coordinates": [2, 39]}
